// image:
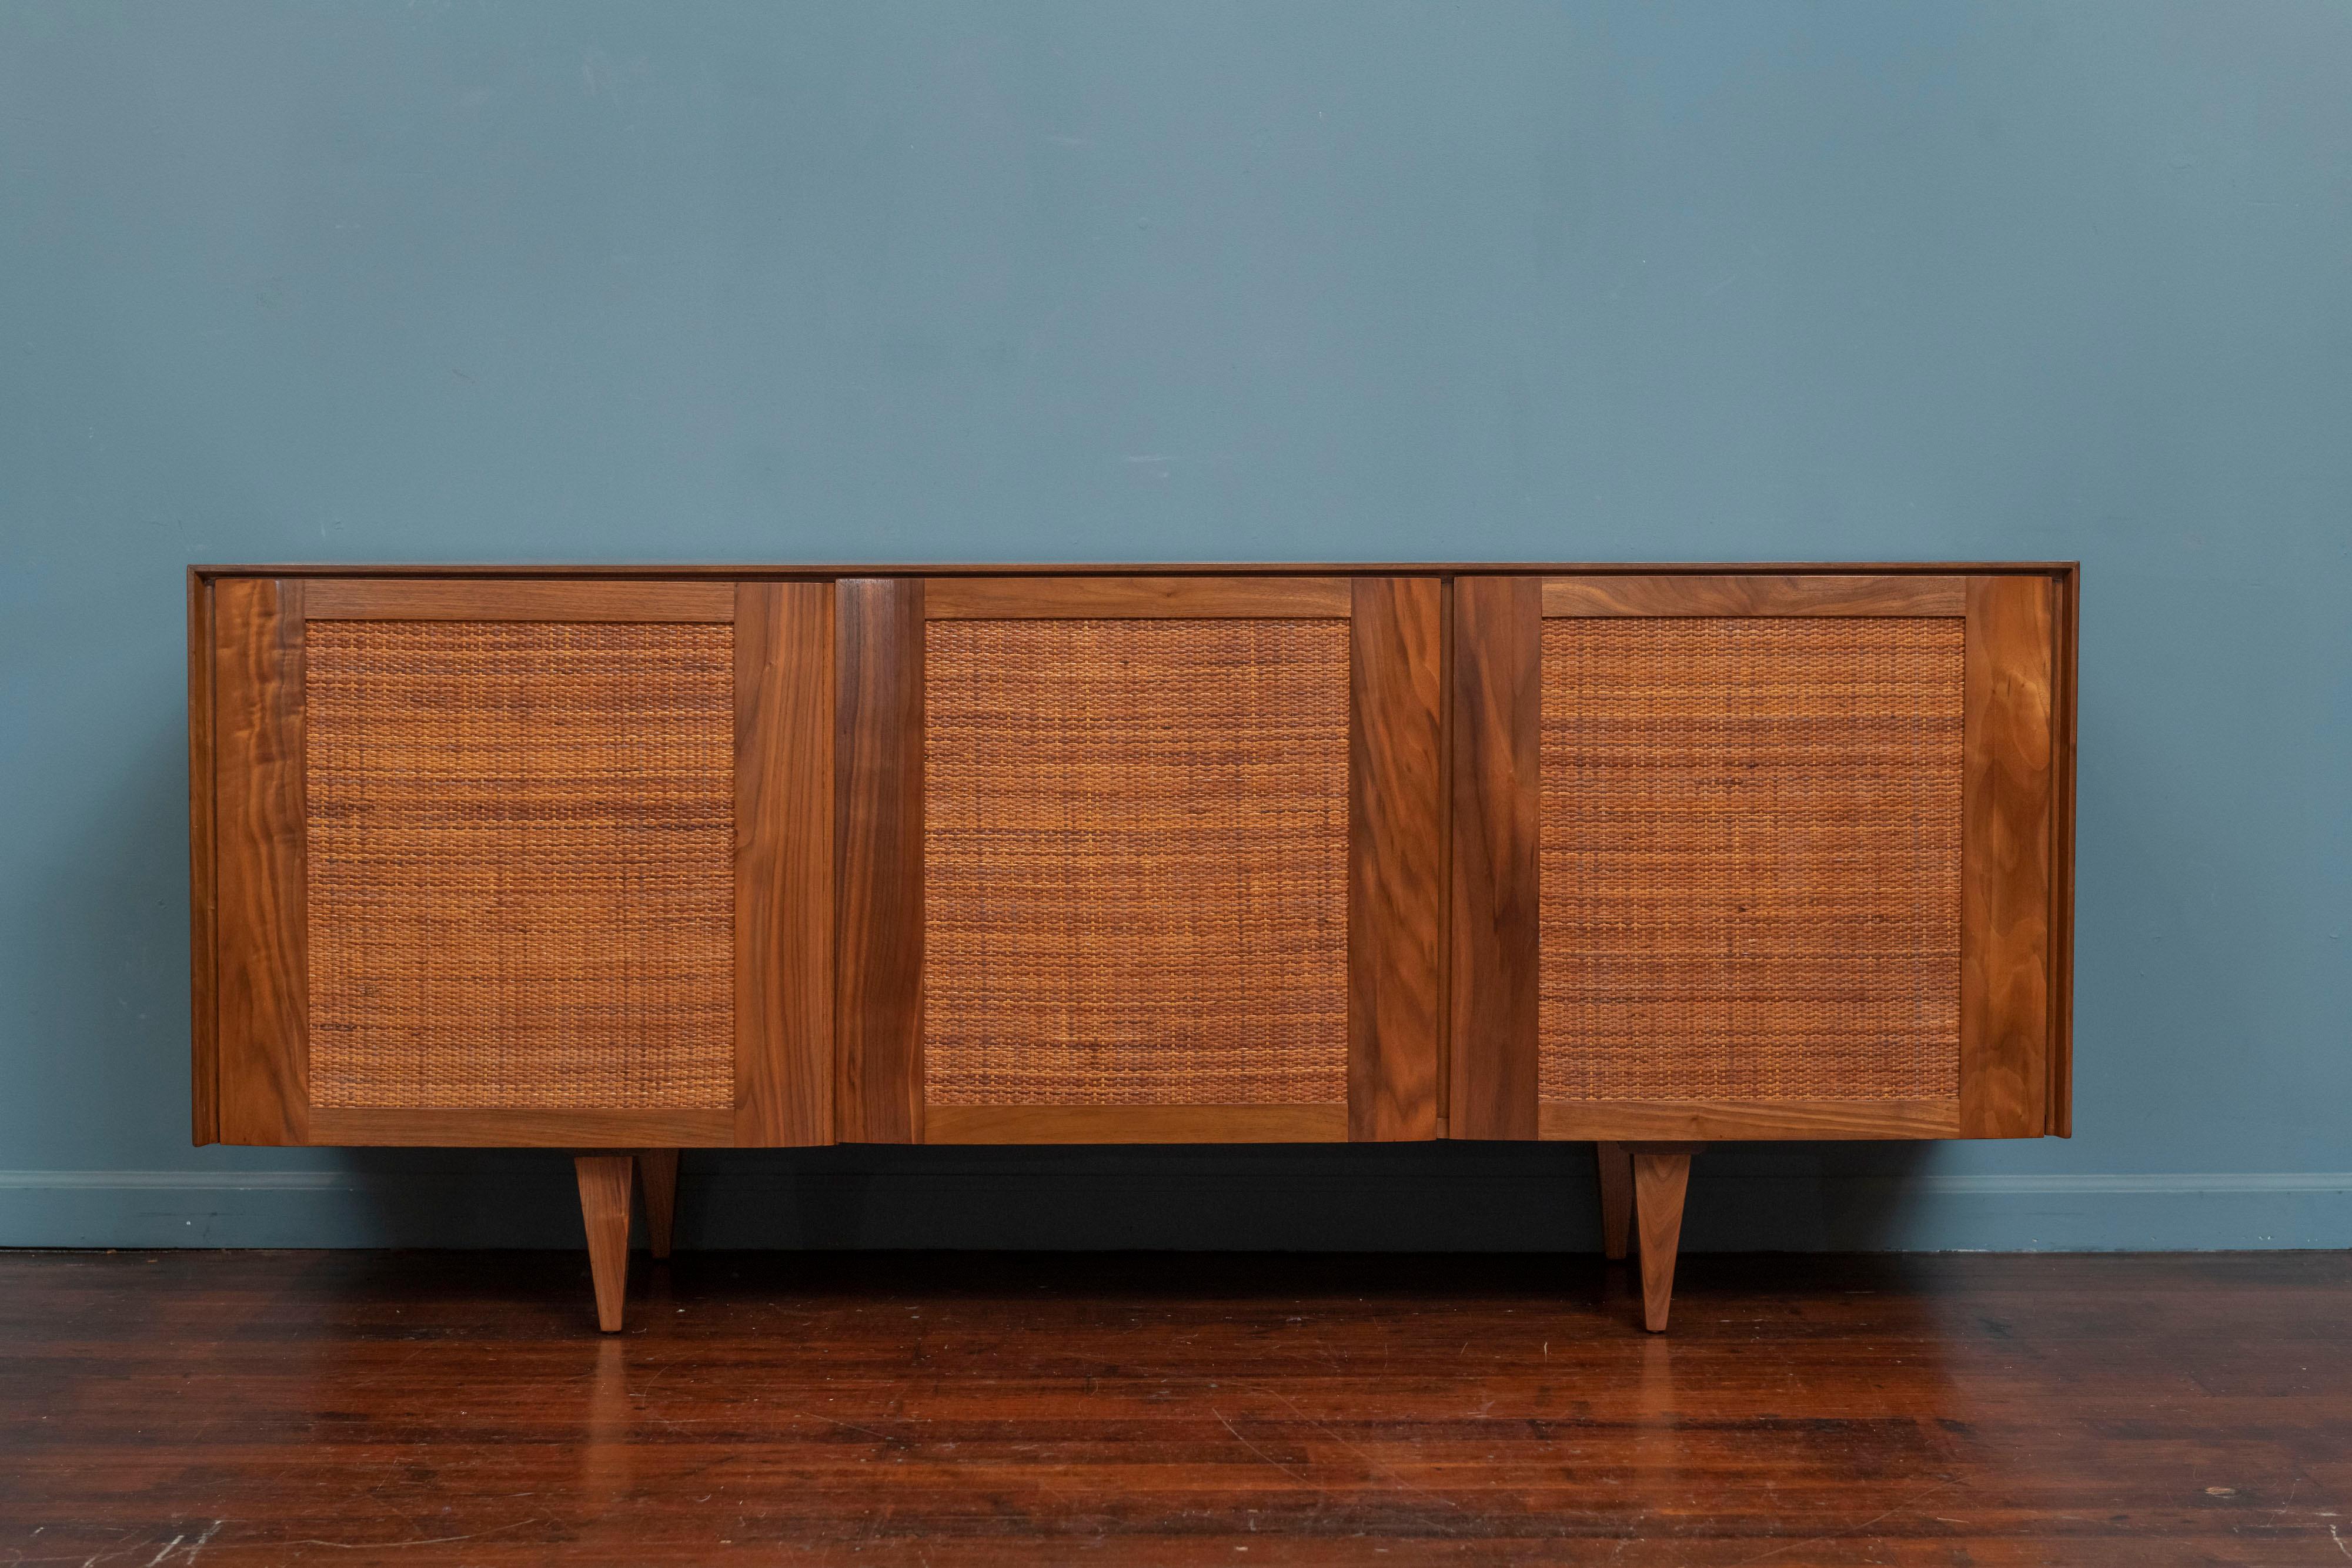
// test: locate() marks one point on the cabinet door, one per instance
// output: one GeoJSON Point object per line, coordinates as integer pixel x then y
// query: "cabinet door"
{"type": "Point", "coordinates": [508, 861]}
{"type": "Point", "coordinates": [1753, 856]}
{"type": "Point", "coordinates": [1144, 859]}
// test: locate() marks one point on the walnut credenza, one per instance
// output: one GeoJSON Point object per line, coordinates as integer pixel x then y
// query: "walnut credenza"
{"type": "Point", "coordinates": [628, 861]}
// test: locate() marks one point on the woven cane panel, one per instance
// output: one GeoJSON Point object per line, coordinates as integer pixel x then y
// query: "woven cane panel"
{"type": "Point", "coordinates": [522, 876]}
{"type": "Point", "coordinates": [1750, 859]}
{"type": "Point", "coordinates": [1135, 863]}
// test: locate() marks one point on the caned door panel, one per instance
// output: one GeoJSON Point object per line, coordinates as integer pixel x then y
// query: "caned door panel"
{"type": "Point", "coordinates": [1753, 856]}
{"type": "Point", "coordinates": [1140, 859]}
{"type": "Point", "coordinates": [521, 862]}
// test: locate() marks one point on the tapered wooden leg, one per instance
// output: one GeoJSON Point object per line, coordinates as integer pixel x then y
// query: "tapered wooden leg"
{"type": "Point", "coordinates": [658, 1178]}
{"type": "Point", "coordinates": [604, 1209]}
{"type": "Point", "coordinates": [1616, 1198]}
{"type": "Point", "coordinates": [1661, 1179]}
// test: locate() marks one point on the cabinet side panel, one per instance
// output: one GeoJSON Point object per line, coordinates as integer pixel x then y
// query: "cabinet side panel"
{"type": "Point", "coordinates": [1396, 883]}
{"type": "Point", "coordinates": [878, 813]}
{"type": "Point", "coordinates": [783, 864]}
{"type": "Point", "coordinates": [2008, 804]}
{"type": "Point", "coordinates": [263, 1046]}
{"type": "Point", "coordinates": [203, 1011]}
{"type": "Point", "coordinates": [2068, 589]}
{"type": "Point", "coordinates": [1493, 924]}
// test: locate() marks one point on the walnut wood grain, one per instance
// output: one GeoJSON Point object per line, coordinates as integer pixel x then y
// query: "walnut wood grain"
{"type": "Point", "coordinates": [2005, 886]}
{"type": "Point", "coordinates": [878, 857]}
{"type": "Point", "coordinates": [1661, 1182]}
{"type": "Point", "coordinates": [1135, 1123]}
{"type": "Point", "coordinates": [204, 998]}
{"type": "Point", "coordinates": [1614, 1171]}
{"type": "Point", "coordinates": [2060, 1122]}
{"type": "Point", "coordinates": [363, 1127]}
{"type": "Point", "coordinates": [262, 1050]}
{"type": "Point", "coordinates": [1445, 1064]}
{"type": "Point", "coordinates": [657, 1180]}
{"type": "Point", "coordinates": [783, 864]}
{"type": "Point", "coordinates": [1136, 597]}
{"type": "Point", "coordinates": [1493, 924]}
{"type": "Point", "coordinates": [1396, 880]}
{"type": "Point", "coordinates": [604, 1214]}
{"type": "Point", "coordinates": [1754, 593]}
{"type": "Point", "coordinates": [1618, 1120]}
{"type": "Point", "coordinates": [562, 598]}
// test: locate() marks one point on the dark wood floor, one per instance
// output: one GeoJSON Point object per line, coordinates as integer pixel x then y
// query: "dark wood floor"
{"type": "Point", "coordinates": [348, 1407]}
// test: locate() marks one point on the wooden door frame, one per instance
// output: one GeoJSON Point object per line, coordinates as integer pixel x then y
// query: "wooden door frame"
{"type": "Point", "coordinates": [1396, 849]}
{"type": "Point", "coordinates": [2017, 828]}
{"type": "Point", "coordinates": [248, 829]}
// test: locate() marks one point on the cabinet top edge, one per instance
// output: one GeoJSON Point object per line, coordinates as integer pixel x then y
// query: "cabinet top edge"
{"type": "Point", "coordinates": [825, 571]}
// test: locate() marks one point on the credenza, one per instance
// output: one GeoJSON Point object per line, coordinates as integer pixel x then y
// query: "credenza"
{"type": "Point", "coordinates": [626, 861]}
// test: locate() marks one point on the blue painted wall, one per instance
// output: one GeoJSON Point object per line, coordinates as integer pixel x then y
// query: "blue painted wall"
{"type": "Point", "coordinates": [586, 280]}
